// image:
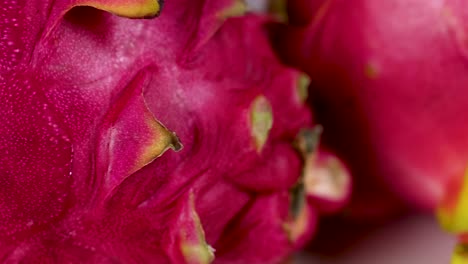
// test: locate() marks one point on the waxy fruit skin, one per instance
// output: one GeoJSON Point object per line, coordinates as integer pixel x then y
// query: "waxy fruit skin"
{"type": "Point", "coordinates": [389, 85]}
{"type": "Point", "coordinates": [127, 140]}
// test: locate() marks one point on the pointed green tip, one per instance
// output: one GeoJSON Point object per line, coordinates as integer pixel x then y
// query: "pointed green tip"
{"type": "Point", "coordinates": [308, 140]}
{"type": "Point", "coordinates": [126, 8]}
{"type": "Point", "coordinates": [261, 118]}
{"type": "Point", "coordinates": [194, 248]}
{"type": "Point", "coordinates": [303, 83]}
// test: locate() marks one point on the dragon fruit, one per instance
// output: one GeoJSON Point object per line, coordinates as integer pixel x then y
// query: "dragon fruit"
{"type": "Point", "coordinates": [167, 140]}
{"type": "Point", "coordinates": [388, 81]}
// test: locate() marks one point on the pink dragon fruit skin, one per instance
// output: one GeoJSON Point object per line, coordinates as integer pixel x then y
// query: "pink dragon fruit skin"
{"type": "Point", "coordinates": [165, 140]}
{"type": "Point", "coordinates": [388, 79]}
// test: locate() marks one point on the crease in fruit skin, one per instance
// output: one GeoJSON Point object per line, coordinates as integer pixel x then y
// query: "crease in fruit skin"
{"type": "Point", "coordinates": [261, 119]}
{"type": "Point", "coordinates": [298, 222]}
{"type": "Point", "coordinates": [298, 201]}
{"type": "Point", "coordinates": [453, 210]}
{"type": "Point", "coordinates": [299, 215]}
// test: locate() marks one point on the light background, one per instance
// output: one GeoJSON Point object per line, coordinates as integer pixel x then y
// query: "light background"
{"type": "Point", "coordinates": [412, 240]}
